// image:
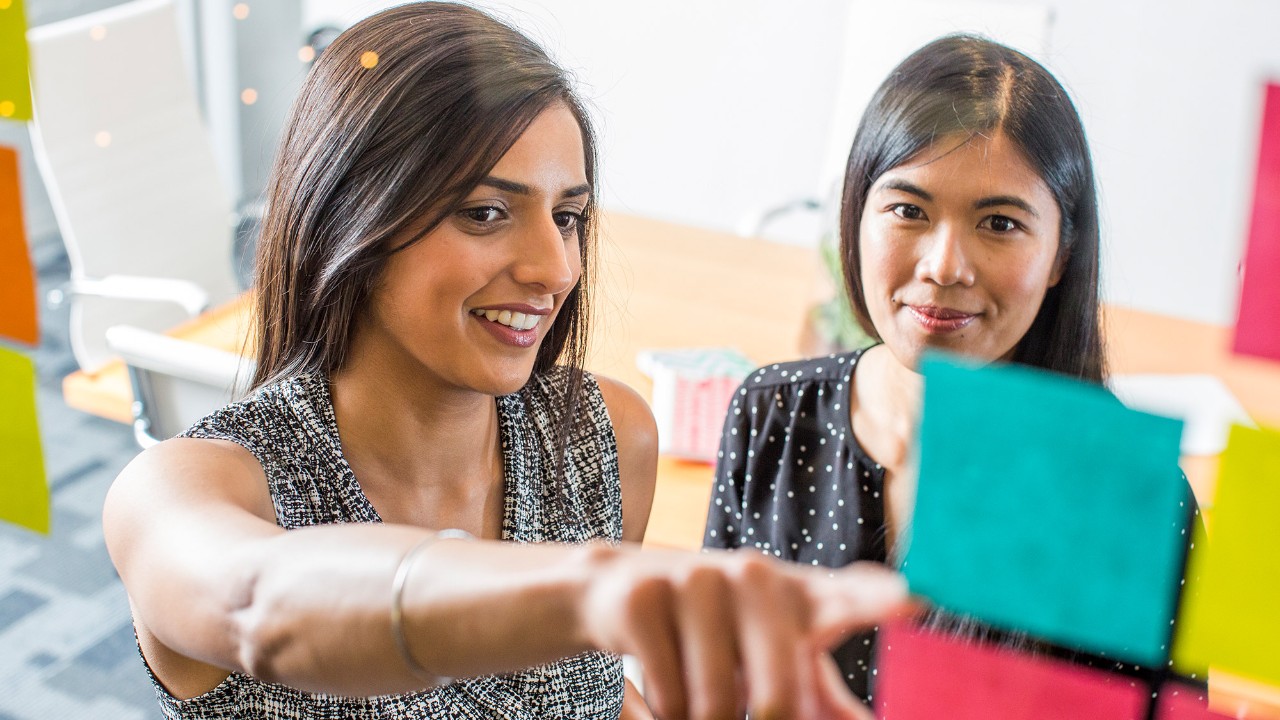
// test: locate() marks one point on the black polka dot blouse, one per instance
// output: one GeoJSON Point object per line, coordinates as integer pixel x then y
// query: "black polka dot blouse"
{"type": "Point", "coordinates": [792, 482]}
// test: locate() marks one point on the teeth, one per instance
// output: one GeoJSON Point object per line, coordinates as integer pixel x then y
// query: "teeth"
{"type": "Point", "coordinates": [514, 320]}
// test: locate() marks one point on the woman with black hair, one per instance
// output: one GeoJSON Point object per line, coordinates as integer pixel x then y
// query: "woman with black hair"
{"type": "Point", "coordinates": [968, 223]}
{"type": "Point", "coordinates": [423, 509]}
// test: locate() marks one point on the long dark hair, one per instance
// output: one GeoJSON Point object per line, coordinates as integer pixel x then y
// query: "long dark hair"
{"type": "Point", "coordinates": [968, 84]}
{"type": "Point", "coordinates": [399, 118]}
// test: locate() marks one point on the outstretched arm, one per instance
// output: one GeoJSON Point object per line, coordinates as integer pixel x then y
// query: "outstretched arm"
{"type": "Point", "coordinates": [216, 586]}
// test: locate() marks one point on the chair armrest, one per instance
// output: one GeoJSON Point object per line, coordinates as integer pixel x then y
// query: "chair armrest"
{"type": "Point", "coordinates": [188, 295]}
{"type": "Point", "coordinates": [179, 358]}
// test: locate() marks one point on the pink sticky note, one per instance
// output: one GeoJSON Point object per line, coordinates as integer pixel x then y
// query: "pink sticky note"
{"type": "Point", "coordinates": [1182, 702]}
{"type": "Point", "coordinates": [1258, 323]}
{"type": "Point", "coordinates": [922, 675]}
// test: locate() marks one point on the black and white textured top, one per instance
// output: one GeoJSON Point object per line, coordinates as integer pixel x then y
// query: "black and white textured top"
{"type": "Point", "coordinates": [290, 428]}
{"type": "Point", "coordinates": [792, 481]}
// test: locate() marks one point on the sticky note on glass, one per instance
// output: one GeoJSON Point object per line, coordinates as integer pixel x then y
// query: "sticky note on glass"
{"type": "Point", "coordinates": [1258, 322]}
{"type": "Point", "coordinates": [921, 675]}
{"type": "Point", "coordinates": [1045, 505]}
{"type": "Point", "coordinates": [1237, 622]}
{"type": "Point", "coordinates": [1190, 648]}
{"type": "Point", "coordinates": [17, 277]}
{"type": "Point", "coordinates": [1183, 702]}
{"type": "Point", "coordinates": [24, 492]}
{"type": "Point", "coordinates": [15, 90]}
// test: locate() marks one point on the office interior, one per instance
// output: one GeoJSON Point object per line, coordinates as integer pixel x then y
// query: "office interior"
{"type": "Point", "coordinates": [721, 122]}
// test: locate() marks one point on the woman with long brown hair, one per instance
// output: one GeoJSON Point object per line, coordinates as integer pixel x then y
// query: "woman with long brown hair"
{"type": "Point", "coordinates": [424, 508]}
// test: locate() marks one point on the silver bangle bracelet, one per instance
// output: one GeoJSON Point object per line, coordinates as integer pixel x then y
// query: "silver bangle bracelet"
{"type": "Point", "coordinates": [397, 602]}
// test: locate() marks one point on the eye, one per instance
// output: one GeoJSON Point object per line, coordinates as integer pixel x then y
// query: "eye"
{"type": "Point", "coordinates": [482, 215]}
{"type": "Point", "coordinates": [907, 211]}
{"type": "Point", "coordinates": [567, 221]}
{"type": "Point", "coordinates": [1001, 224]}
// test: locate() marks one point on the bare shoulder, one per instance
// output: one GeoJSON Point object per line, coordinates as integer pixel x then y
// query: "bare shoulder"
{"type": "Point", "coordinates": [637, 437]}
{"type": "Point", "coordinates": [633, 422]}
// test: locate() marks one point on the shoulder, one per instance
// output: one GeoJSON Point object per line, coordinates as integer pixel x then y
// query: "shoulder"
{"type": "Point", "coordinates": [798, 373]}
{"type": "Point", "coordinates": [636, 436]}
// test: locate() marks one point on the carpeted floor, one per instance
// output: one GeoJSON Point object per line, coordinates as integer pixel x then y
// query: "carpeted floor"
{"type": "Point", "coordinates": [66, 642]}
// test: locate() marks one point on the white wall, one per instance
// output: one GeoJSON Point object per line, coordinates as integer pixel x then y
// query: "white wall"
{"type": "Point", "coordinates": [712, 109]}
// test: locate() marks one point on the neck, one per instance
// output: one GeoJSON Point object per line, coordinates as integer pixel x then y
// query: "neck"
{"type": "Point", "coordinates": [889, 396]}
{"type": "Point", "coordinates": [397, 424]}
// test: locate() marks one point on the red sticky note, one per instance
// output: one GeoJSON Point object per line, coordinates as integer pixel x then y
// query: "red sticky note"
{"type": "Point", "coordinates": [1258, 323]}
{"type": "Point", "coordinates": [1183, 702]}
{"type": "Point", "coordinates": [922, 675]}
{"type": "Point", "coordinates": [17, 278]}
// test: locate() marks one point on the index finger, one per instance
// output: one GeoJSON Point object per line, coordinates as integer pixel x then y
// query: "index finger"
{"type": "Point", "coordinates": [856, 597]}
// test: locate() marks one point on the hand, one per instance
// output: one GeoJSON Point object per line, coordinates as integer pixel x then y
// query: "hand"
{"type": "Point", "coordinates": [724, 633]}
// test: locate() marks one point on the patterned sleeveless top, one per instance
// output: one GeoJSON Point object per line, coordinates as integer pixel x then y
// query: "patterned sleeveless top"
{"type": "Point", "coordinates": [290, 428]}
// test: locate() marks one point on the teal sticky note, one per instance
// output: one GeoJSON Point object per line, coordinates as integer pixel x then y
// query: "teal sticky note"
{"type": "Point", "coordinates": [1046, 506]}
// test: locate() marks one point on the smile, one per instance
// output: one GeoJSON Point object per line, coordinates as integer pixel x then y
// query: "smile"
{"type": "Point", "coordinates": [514, 320]}
{"type": "Point", "coordinates": [940, 320]}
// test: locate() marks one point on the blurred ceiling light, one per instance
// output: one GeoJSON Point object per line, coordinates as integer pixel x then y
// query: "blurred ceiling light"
{"type": "Point", "coordinates": [103, 138]}
{"type": "Point", "coordinates": [240, 11]}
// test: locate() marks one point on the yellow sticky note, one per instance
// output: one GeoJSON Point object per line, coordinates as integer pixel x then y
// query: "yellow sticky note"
{"type": "Point", "coordinates": [1190, 645]}
{"type": "Point", "coordinates": [15, 91]}
{"type": "Point", "coordinates": [24, 493]}
{"type": "Point", "coordinates": [1236, 624]}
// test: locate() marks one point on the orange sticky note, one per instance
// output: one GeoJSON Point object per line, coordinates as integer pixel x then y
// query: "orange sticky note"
{"type": "Point", "coordinates": [17, 277]}
{"type": "Point", "coordinates": [24, 492]}
{"type": "Point", "coordinates": [15, 90]}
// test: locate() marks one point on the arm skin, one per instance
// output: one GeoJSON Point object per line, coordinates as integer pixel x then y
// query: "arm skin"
{"type": "Point", "coordinates": [217, 586]}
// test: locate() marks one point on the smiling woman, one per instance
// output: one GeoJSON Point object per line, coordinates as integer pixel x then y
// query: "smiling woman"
{"type": "Point", "coordinates": [969, 224]}
{"type": "Point", "coordinates": [422, 285]}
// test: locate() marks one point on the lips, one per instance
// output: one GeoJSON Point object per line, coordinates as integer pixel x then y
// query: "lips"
{"type": "Point", "coordinates": [515, 325]}
{"type": "Point", "coordinates": [940, 320]}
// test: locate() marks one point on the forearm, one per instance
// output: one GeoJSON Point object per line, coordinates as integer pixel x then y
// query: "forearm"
{"type": "Point", "coordinates": [318, 614]}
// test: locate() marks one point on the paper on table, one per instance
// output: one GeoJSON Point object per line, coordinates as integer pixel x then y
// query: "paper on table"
{"type": "Point", "coordinates": [1045, 505]}
{"type": "Point", "coordinates": [1237, 622]}
{"type": "Point", "coordinates": [17, 277]}
{"type": "Point", "coordinates": [24, 493]}
{"type": "Point", "coordinates": [1203, 402]}
{"type": "Point", "coordinates": [15, 90]}
{"type": "Point", "coordinates": [925, 676]}
{"type": "Point", "coordinates": [1258, 322]}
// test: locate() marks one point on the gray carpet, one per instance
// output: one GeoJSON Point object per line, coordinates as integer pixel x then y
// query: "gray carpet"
{"type": "Point", "coordinates": [66, 642]}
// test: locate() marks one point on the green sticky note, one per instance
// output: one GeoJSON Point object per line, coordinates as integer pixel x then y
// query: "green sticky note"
{"type": "Point", "coordinates": [1238, 623]}
{"type": "Point", "coordinates": [15, 91]}
{"type": "Point", "coordinates": [1046, 506]}
{"type": "Point", "coordinates": [24, 493]}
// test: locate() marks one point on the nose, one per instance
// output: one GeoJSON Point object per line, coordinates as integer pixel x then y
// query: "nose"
{"type": "Point", "coordinates": [546, 259]}
{"type": "Point", "coordinates": [944, 258]}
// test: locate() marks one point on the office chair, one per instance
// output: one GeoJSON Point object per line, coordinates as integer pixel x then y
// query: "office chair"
{"type": "Point", "coordinates": [175, 382]}
{"type": "Point", "coordinates": [130, 170]}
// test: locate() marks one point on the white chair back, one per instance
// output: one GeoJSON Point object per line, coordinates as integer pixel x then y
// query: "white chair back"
{"type": "Point", "coordinates": [130, 171]}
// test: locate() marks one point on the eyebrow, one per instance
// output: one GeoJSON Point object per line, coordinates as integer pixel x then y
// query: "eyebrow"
{"type": "Point", "coordinates": [512, 186]}
{"type": "Point", "coordinates": [987, 202]}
